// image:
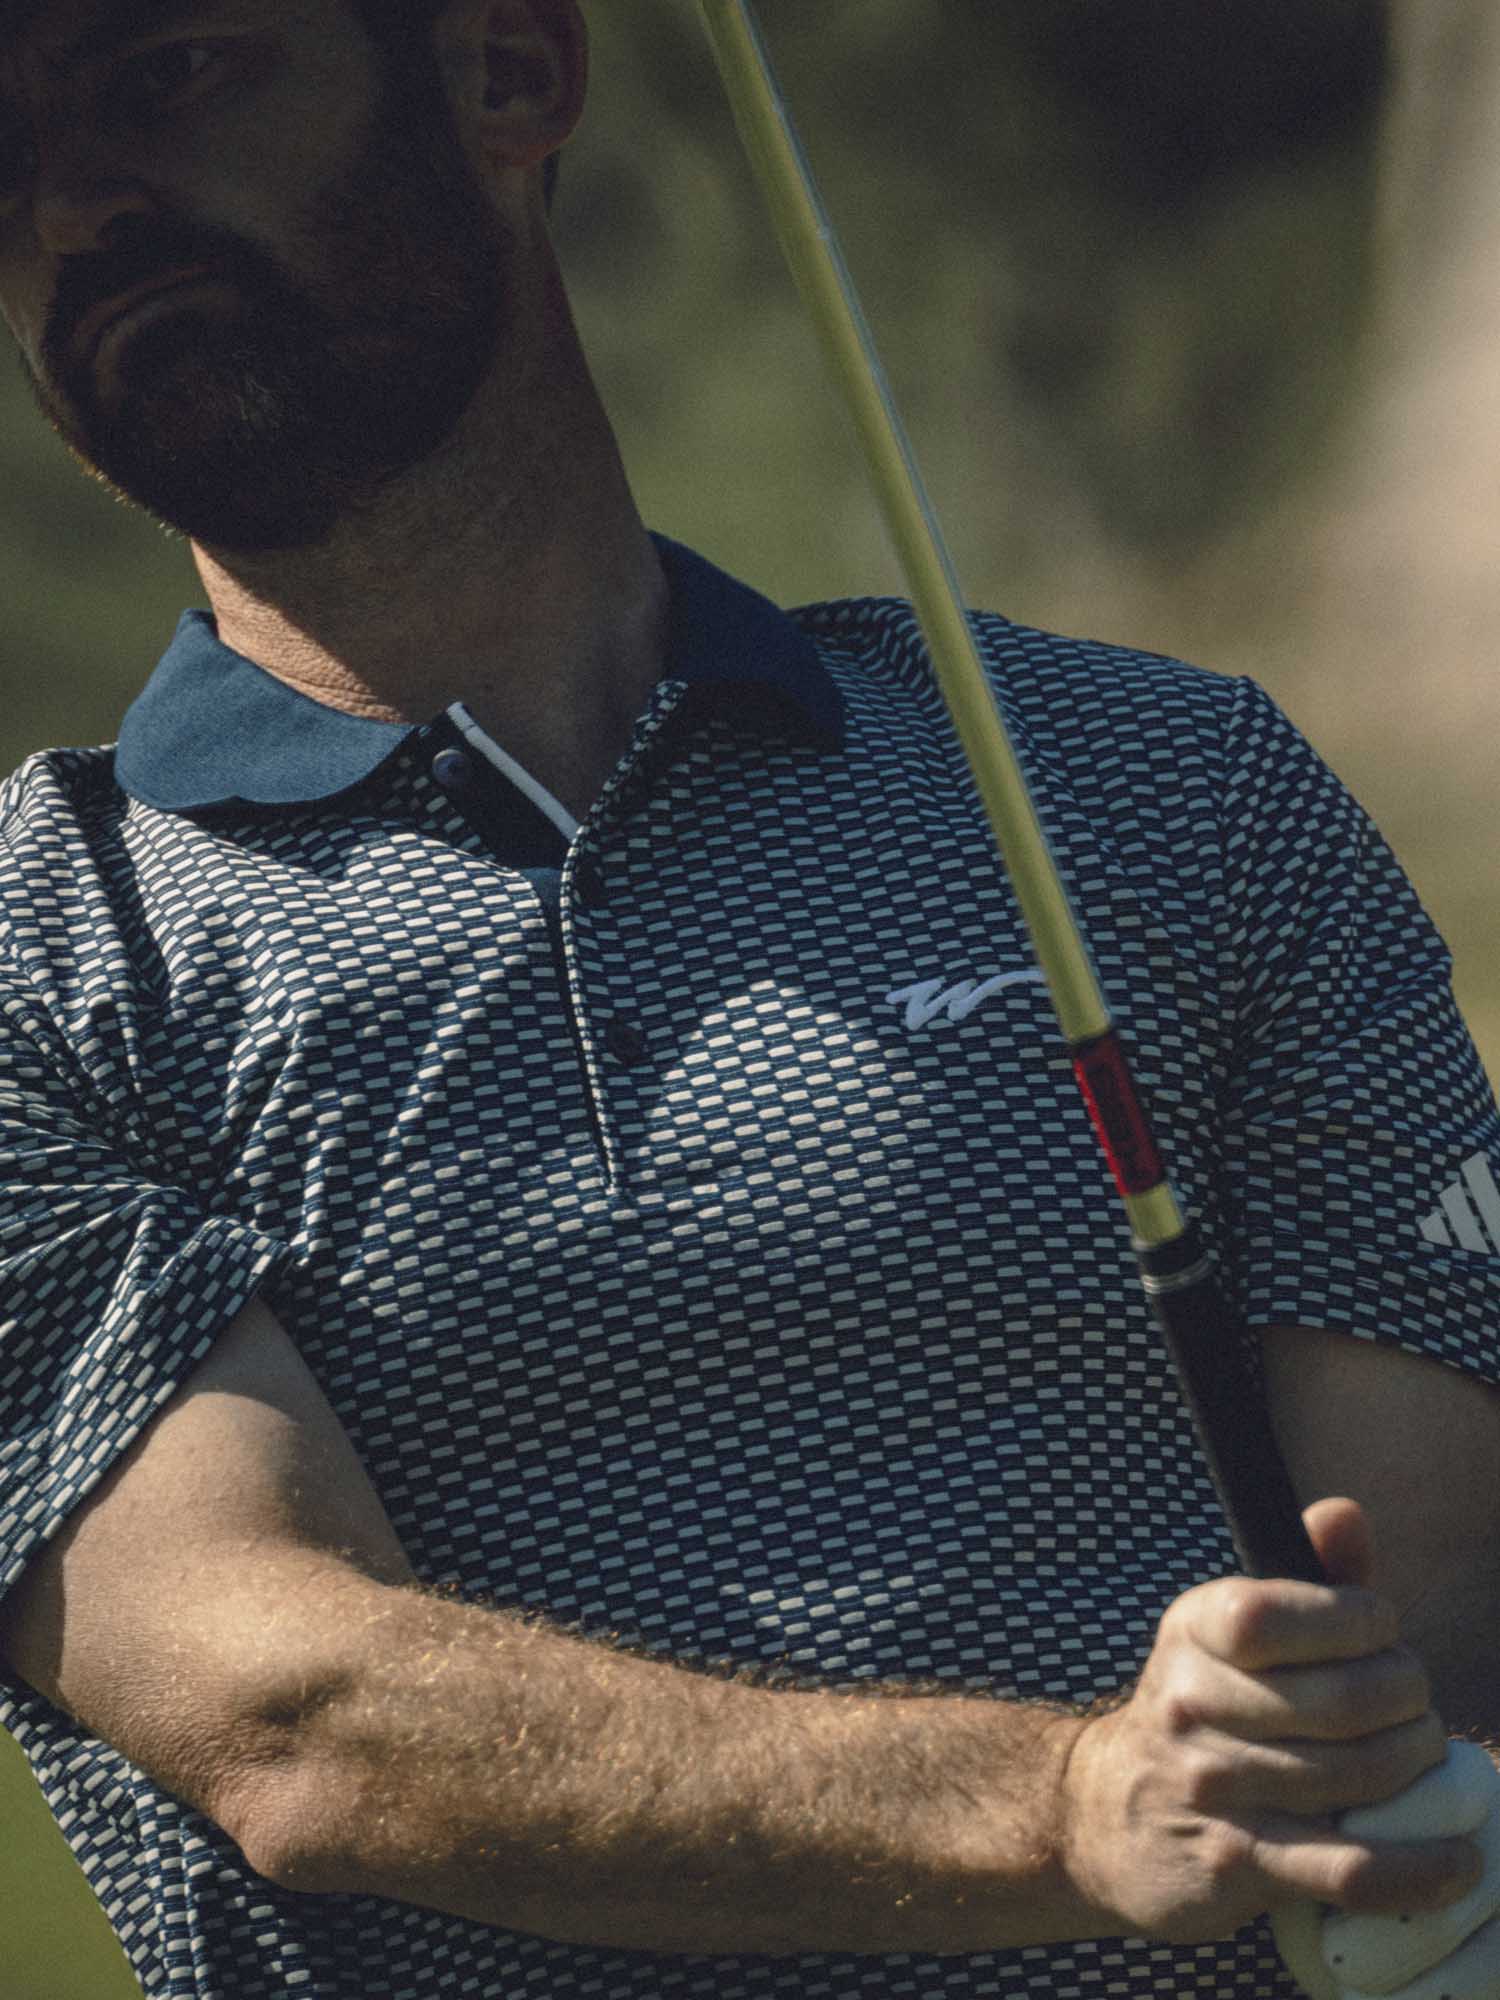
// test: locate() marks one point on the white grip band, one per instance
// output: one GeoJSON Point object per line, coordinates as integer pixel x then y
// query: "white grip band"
{"type": "Point", "coordinates": [1452, 1954]}
{"type": "Point", "coordinates": [1472, 1973]}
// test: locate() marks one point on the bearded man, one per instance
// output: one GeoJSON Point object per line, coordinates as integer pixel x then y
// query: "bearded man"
{"type": "Point", "coordinates": [564, 1425]}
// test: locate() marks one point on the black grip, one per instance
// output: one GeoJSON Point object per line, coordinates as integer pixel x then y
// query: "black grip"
{"type": "Point", "coordinates": [1209, 1346]}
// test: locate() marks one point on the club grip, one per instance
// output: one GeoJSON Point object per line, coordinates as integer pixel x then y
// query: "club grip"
{"type": "Point", "coordinates": [1208, 1344]}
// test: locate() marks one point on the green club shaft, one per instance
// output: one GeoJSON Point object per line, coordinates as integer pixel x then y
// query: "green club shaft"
{"type": "Point", "coordinates": [812, 249]}
{"type": "Point", "coordinates": [1205, 1337]}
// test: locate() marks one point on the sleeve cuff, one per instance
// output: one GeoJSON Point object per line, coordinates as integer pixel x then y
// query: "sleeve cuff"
{"type": "Point", "coordinates": [139, 1357]}
{"type": "Point", "coordinates": [1444, 1304]}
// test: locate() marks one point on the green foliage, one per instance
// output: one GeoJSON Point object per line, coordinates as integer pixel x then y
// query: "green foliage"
{"type": "Point", "coordinates": [54, 1941]}
{"type": "Point", "coordinates": [1156, 368]}
{"type": "Point", "coordinates": [88, 589]}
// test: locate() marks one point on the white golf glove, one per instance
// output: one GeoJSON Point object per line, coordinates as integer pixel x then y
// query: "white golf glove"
{"type": "Point", "coordinates": [1451, 1955]}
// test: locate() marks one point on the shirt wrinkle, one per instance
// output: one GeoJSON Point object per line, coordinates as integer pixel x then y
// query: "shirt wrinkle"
{"type": "Point", "coordinates": [716, 1259]}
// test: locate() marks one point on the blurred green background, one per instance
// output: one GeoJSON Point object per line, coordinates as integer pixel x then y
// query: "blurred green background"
{"type": "Point", "coordinates": [1195, 312]}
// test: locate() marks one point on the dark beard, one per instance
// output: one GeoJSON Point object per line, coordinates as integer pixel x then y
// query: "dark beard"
{"type": "Point", "coordinates": [260, 428]}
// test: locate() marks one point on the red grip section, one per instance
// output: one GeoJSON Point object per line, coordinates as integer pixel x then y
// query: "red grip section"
{"type": "Point", "coordinates": [1115, 1107]}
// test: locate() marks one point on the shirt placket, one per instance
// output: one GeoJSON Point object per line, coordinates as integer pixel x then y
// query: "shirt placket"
{"type": "Point", "coordinates": [584, 910]}
{"type": "Point", "coordinates": [608, 994]}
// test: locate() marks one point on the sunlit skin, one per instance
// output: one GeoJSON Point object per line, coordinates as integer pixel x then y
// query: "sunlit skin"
{"type": "Point", "coordinates": [368, 409]}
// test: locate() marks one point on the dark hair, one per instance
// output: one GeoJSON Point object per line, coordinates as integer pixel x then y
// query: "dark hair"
{"type": "Point", "coordinates": [402, 33]}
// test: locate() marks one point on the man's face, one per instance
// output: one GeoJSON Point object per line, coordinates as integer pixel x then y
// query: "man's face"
{"type": "Point", "coordinates": [350, 289]}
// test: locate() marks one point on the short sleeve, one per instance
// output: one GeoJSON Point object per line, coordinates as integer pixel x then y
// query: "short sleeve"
{"type": "Point", "coordinates": [112, 1286]}
{"type": "Point", "coordinates": [1362, 1142]}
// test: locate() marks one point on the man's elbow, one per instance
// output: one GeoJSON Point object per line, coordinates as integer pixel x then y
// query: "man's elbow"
{"type": "Point", "coordinates": [287, 1824]}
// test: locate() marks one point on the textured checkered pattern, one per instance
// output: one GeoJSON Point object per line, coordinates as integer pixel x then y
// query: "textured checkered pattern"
{"type": "Point", "coordinates": [668, 1273]}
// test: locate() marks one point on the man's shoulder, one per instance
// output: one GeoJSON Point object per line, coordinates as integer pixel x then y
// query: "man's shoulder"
{"type": "Point", "coordinates": [884, 632]}
{"type": "Point", "coordinates": [1059, 689]}
{"type": "Point", "coordinates": [65, 781]}
{"type": "Point", "coordinates": [52, 806]}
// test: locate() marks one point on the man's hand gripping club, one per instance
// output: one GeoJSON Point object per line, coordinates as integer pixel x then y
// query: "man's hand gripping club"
{"type": "Point", "coordinates": [1266, 1711]}
{"type": "Point", "coordinates": [1448, 1954]}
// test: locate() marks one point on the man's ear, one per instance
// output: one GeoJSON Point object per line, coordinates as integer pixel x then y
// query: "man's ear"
{"type": "Point", "coordinates": [535, 77]}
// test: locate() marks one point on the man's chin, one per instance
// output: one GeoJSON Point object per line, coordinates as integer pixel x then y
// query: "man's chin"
{"type": "Point", "coordinates": [204, 473]}
{"type": "Point", "coordinates": [255, 519]}
{"type": "Point", "coordinates": [248, 508]}
{"type": "Point", "coordinates": [225, 444]}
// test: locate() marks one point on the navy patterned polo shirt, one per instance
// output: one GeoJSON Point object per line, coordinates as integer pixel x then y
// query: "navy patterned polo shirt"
{"type": "Point", "coordinates": [691, 1214]}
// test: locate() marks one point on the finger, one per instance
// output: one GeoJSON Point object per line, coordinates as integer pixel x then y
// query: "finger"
{"type": "Point", "coordinates": [1256, 1627]}
{"type": "Point", "coordinates": [1383, 1954]}
{"type": "Point", "coordinates": [1473, 1973]}
{"type": "Point", "coordinates": [1379, 1703]}
{"type": "Point", "coordinates": [1328, 1780]}
{"type": "Point", "coordinates": [1344, 1702]}
{"type": "Point", "coordinates": [1340, 1532]}
{"type": "Point", "coordinates": [1300, 1858]}
{"type": "Point", "coordinates": [1378, 1954]}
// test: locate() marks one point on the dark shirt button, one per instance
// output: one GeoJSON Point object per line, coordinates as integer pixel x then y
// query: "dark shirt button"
{"type": "Point", "coordinates": [625, 1042]}
{"type": "Point", "coordinates": [452, 769]}
{"type": "Point", "coordinates": [588, 883]}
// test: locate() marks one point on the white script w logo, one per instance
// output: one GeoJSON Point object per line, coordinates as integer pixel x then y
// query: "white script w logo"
{"type": "Point", "coordinates": [928, 999]}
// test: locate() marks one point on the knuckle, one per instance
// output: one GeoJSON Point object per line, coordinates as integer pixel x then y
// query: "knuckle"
{"type": "Point", "coordinates": [1182, 1702]}
{"type": "Point", "coordinates": [1227, 1852]}
{"type": "Point", "coordinates": [1243, 1612]}
{"type": "Point", "coordinates": [1178, 1618]}
{"type": "Point", "coordinates": [1180, 1715]}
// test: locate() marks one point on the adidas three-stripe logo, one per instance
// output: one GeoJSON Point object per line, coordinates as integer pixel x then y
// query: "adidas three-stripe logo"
{"type": "Point", "coordinates": [1468, 1215]}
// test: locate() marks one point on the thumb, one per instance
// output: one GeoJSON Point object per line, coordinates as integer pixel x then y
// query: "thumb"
{"type": "Point", "coordinates": [1341, 1534]}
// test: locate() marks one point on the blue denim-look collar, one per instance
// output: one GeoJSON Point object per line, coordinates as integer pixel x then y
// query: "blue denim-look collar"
{"type": "Point", "coordinates": [212, 729]}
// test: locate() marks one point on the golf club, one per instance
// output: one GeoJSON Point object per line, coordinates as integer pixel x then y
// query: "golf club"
{"type": "Point", "coordinates": [1208, 1342]}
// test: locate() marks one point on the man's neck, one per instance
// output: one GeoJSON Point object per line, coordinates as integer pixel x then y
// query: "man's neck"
{"type": "Point", "coordinates": [513, 574]}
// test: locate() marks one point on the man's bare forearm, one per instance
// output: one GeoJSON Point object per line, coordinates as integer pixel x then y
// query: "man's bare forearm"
{"type": "Point", "coordinates": [467, 1761]}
